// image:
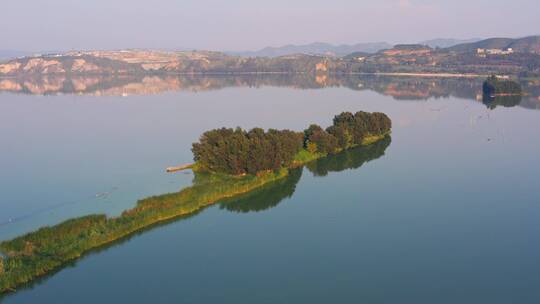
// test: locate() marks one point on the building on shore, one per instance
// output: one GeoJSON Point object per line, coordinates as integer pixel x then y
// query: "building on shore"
{"type": "Point", "coordinates": [485, 52]}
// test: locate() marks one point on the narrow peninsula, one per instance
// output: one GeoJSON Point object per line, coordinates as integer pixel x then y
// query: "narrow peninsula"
{"type": "Point", "coordinates": [228, 163]}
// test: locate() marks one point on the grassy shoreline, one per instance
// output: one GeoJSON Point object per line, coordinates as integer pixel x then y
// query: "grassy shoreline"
{"type": "Point", "coordinates": [38, 253]}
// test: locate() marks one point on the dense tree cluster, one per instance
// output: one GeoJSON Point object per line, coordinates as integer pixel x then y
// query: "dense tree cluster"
{"type": "Point", "coordinates": [348, 130]}
{"type": "Point", "coordinates": [246, 152]}
{"type": "Point", "coordinates": [237, 152]}
{"type": "Point", "coordinates": [494, 86]}
{"type": "Point", "coordinates": [318, 140]}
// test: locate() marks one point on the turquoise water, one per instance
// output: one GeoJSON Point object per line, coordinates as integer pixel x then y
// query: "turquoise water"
{"type": "Point", "coordinates": [445, 212]}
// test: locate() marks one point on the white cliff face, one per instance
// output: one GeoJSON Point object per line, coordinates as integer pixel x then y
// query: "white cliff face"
{"type": "Point", "coordinates": [34, 65]}
{"type": "Point", "coordinates": [45, 66]}
{"type": "Point", "coordinates": [81, 62]}
{"type": "Point", "coordinates": [139, 61]}
{"type": "Point", "coordinates": [81, 65]}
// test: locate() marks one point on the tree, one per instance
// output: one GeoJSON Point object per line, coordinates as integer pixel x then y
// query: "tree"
{"type": "Point", "coordinates": [326, 143]}
{"type": "Point", "coordinates": [345, 118]}
{"type": "Point", "coordinates": [239, 152]}
{"type": "Point", "coordinates": [311, 147]}
{"type": "Point", "coordinates": [495, 86]}
{"type": "Point", "coordinates": [313, 128]}
{"type": "Point", "coordinates": [342, 134]}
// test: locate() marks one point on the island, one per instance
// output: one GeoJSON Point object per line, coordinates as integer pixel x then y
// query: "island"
{"type": "Point", "coordinates": [495, 86]}
{"type": "Point", "coordinates": [228, 163]}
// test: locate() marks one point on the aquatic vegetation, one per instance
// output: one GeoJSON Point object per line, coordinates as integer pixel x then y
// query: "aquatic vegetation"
{"type": "Point", "coordinates": [46, 249]}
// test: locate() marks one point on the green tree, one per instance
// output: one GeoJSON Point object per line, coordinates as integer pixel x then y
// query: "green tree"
{"type": "Point", "coordinates": [495, 86]}
{"type": "Point", "coordinates": [326, 142]}
{"type": "Point", "coordinates": [239, 152]}
{"type": "Point", "coordinates": [313, 128]}
{"type": "Point", "coordinates": [342, 134]}
{"type": "Point", "coordinates": [311, 147]}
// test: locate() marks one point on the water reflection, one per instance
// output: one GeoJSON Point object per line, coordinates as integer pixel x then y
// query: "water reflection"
{"type": "Point", "coordinates": [266, 197]}
{"type": "Point", "coordinates": [125, 85]}
{"type": "Point", "coordinates": [349, 159]}
{"type": "Point", "coordinates": [400, 88]}
{"type": "Point", "coordinates": [502, 101]}
{"type": "Point", "coordinates": [271, 195]}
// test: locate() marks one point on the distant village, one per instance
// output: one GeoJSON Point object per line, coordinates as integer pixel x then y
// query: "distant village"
{"type": "Point", "coordinates": [484, 52]}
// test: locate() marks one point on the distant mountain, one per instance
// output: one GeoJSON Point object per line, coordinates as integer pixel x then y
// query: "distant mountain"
{"type": "Point", "coordinates": [10, 54]}
{"type": "Point", "coordinates": [6, 55]}
{"type": "Point", "coordinates": [446, 43]}
{"type": "Point", "coordinates": [529, 44]}
{"type": "Point", "coordinates": [317, 48]}
{"type": "Point", "coordinates": [408, 58]}
{"type": "Point", "coordinates": [357, 55]}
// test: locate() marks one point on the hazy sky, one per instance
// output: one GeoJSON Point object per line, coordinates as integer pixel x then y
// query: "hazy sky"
{"type": "Point", "coordinates": [35, 25]}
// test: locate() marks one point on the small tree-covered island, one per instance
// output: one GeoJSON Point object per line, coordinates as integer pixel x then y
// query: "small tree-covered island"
{"type": "Point", "coordinates": [495, 87]}
{"type": "Point", "coordinates": [228, 163]}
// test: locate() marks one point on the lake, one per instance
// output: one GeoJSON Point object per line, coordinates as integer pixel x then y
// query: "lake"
{"type": "Point", "coordinates": [445, 212]}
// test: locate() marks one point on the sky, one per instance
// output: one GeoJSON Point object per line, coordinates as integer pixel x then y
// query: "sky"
{"type": "Point", "coordinates": [234, 25]}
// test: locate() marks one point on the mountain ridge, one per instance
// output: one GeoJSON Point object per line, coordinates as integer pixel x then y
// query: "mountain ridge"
{"type": "Point", "coordinates": [447, 42]}
{"type": "Point", "coordinates": [405, 58]}
{"type": "Point", "coordinates": [318, 48]}
{"type": "Point", "coordinates": [528, 44]}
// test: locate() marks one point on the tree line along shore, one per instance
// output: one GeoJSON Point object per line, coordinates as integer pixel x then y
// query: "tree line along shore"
{"type": "Point", "coordinates": [228, 163]}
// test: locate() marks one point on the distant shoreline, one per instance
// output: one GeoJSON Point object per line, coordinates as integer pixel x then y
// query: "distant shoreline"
{"type": "Point", "coordinates": [427, 75]}
{"type": "Point", "coordinates": [400, 74]}
{"type": "Point", "coordinates": [397, 74]}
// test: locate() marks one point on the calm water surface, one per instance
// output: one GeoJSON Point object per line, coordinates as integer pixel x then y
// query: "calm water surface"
{"type": "Point", "coordinates": [445, 212]}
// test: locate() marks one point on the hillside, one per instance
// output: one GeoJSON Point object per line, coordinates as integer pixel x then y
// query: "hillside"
{"type": "Point", "coordinates": [529, 44]}
{"type": "Point", "coordinates": [407, 58]}
{"type": "Point", "coordinates": [446, 43]}
{"type": "Point", "coordinates": [67, 64]}
{"type": "Point", "coordinates": [158, 62]}
{"type": "Point", "coordinates": [320, 48]}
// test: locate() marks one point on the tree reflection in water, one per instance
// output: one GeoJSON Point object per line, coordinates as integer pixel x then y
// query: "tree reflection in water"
{"type": "Point", "coordinates": [271, 195]}
{"type": "Point", "coordinates": [349, 159]}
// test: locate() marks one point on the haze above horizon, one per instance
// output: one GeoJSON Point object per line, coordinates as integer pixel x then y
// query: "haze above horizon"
{"type": "Point", "coordinates": [239, 25]}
